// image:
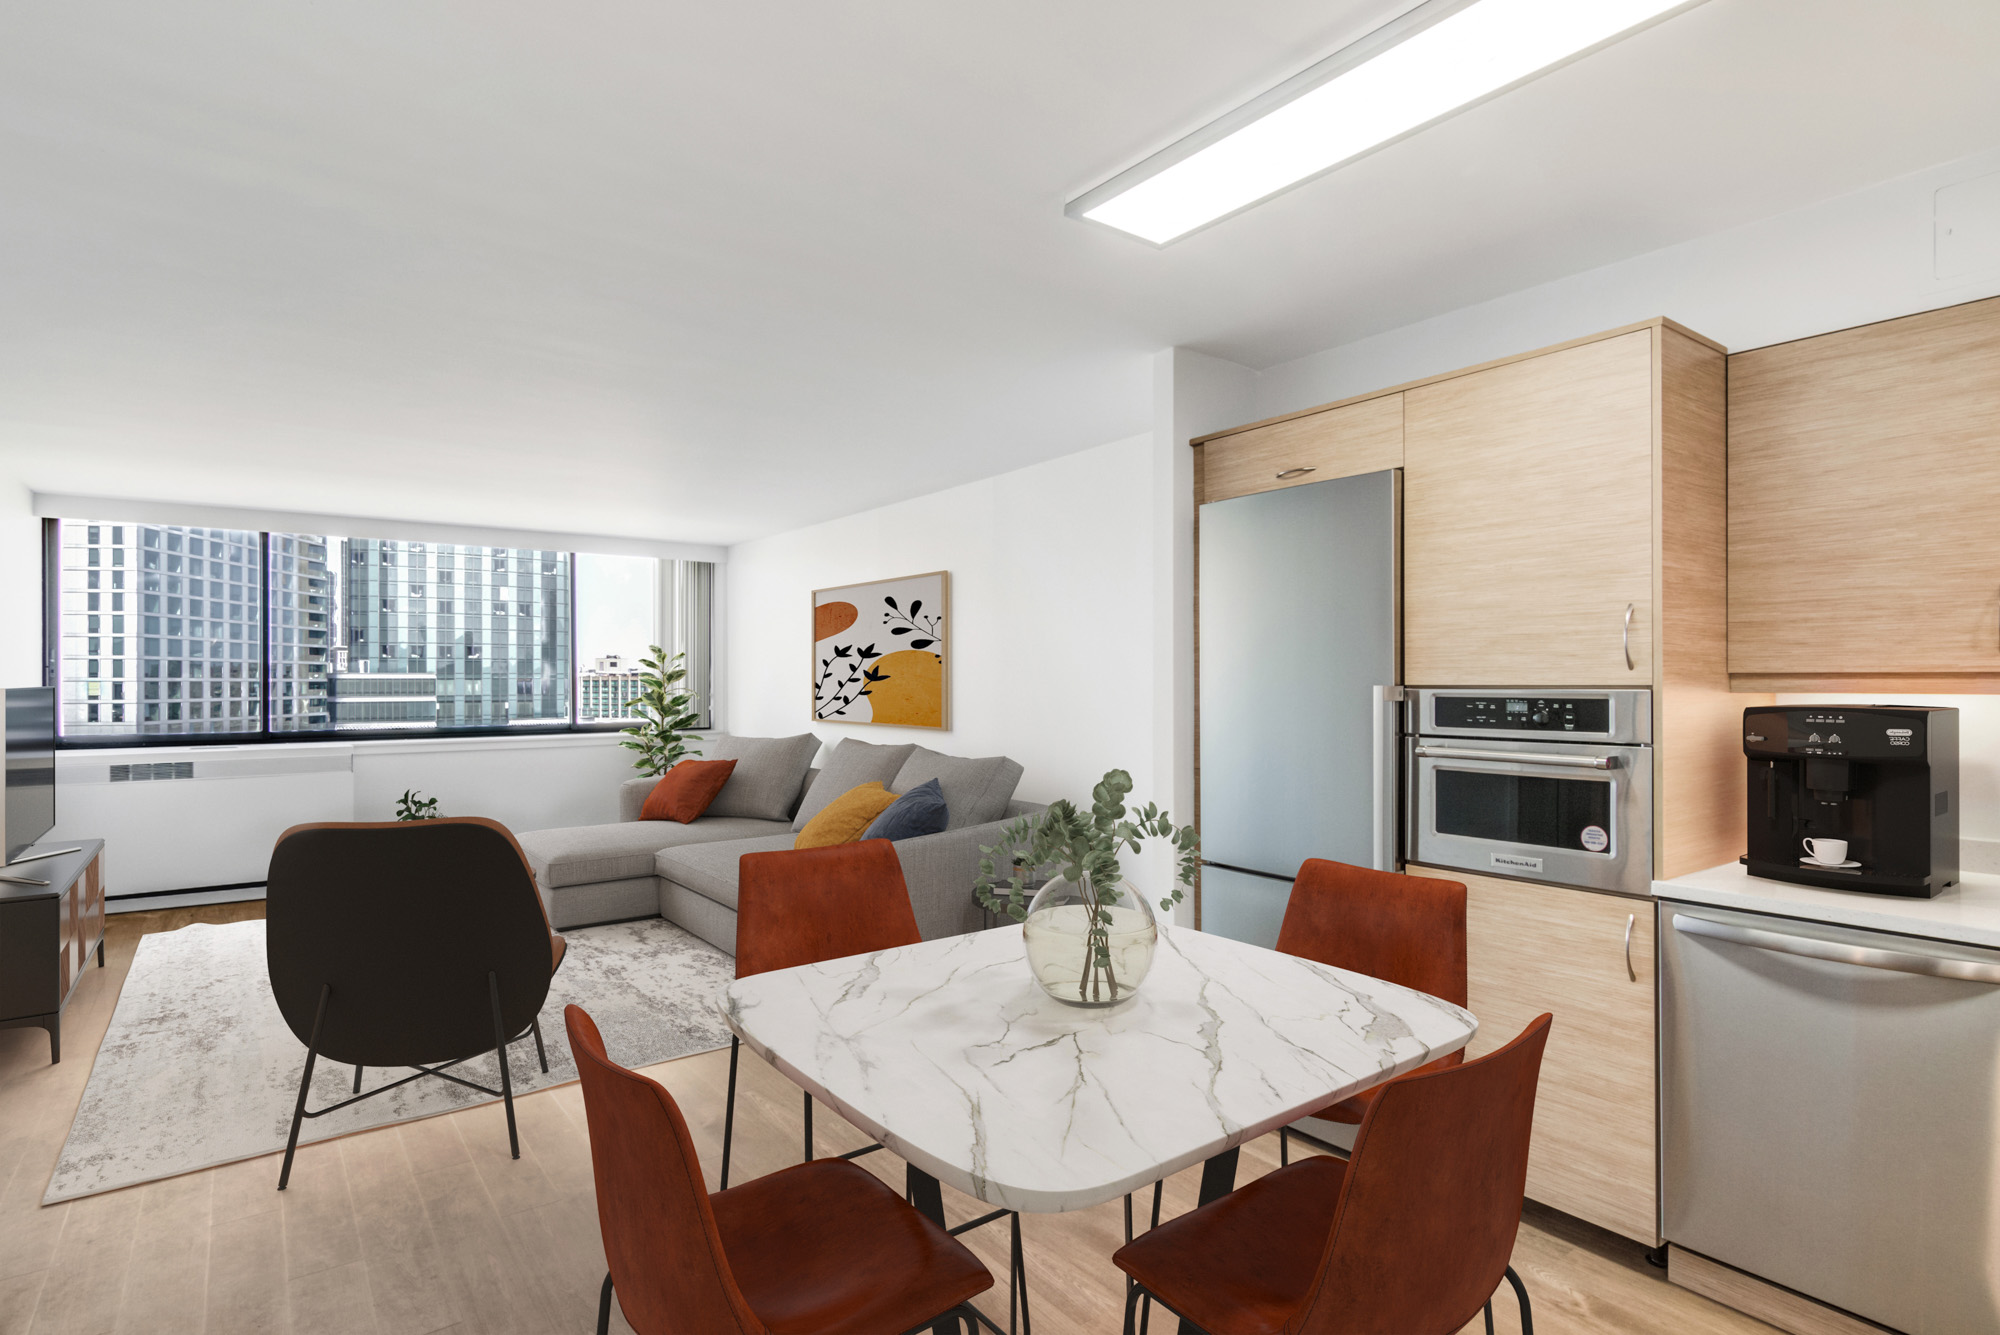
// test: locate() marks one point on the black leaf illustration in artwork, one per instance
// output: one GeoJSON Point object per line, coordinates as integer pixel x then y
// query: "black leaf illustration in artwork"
{"type": "Point", "coordinates": [916, 606]}
{"type": "Point", "coordinates": [889, 600]}
{"type": "Point", "coordinates": [865, 693]}
{"type": "Point", "coordinates": [899, 630]}
{"type": "Point", "coordinates": [912, 622]}
{"type": "Point", "coordinates": [874, 674]}
{"type": "Point", "coordinates": [842, 650]}
{"type": "Point", "coordinates": [922, 644]}
{"type": "Point", "coordinates": [868, 651]}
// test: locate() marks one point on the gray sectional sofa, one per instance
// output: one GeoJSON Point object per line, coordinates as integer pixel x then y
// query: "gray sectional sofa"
{"type": "Point", "coordinates": [687, 873]}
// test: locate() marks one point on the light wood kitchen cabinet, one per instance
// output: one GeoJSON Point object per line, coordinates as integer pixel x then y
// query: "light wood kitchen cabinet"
{"type": "Point", "coordinates": [1527, 521]}
{"type": "Point", "coordinates": [1535, 948]}
{"type": "Point", "coordinates": [1864, 467]}
{"type": "Point", "coordinates": [1364, 437]}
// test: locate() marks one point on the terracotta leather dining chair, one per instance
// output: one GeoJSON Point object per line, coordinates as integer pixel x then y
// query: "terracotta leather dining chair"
{"type": "Point", "coordinates": [802, 906]}
{"type": "Point", "coordinates": [1402, 929]}
{"type": "Point", "coordinates": [1411, 1235]}
{"type": "Point", "coordinates": [821, 1247]}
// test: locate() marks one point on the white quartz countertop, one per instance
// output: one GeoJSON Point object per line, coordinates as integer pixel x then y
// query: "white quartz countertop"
{"type": "Point", "coordinates": [949, 1054]}
{"type": "Point", "coordinates": [1968, 913]}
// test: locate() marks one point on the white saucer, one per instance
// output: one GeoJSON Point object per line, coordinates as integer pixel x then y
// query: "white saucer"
{"type": "Point", "coordinates": [1828, 866]}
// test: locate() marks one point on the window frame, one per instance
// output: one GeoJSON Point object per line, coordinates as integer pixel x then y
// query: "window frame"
{"type": "Point", "coordinates": [264, 735]}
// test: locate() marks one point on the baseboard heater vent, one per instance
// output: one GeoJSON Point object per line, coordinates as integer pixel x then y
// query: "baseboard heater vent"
{"type": "Point", "coordinates": [165, 769]}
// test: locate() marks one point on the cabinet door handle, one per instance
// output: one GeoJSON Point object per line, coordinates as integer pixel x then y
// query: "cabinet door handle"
{"type": "Point", "coordinates": [1630, 919]}
{"type": "Point", "coordinates": [1628, 636]}
{"type": "Point", "coordinates": [1295, 472]}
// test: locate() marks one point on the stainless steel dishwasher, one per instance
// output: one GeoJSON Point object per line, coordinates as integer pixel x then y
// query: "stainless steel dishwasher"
{"type": "Point", "coordinates": [1829, 1113]}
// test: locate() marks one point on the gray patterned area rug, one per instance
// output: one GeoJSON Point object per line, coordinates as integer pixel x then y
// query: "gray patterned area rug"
{"type": "Point", "coordinates": [198, 1067]}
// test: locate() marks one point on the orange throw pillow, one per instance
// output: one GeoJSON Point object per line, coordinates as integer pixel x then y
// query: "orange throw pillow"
{"type": "Point", "coordinates": [842, 820]}
{"type": "Point", "coordinates": [685, 791]}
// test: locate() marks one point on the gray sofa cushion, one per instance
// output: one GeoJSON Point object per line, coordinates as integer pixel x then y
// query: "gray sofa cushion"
{"type": "Point", "coordinates": [852, 764]}
{"type": "Point", "coordinates": [770, 772]}
{"type": "Point", "coordinates": [710, 869]}
{"type": "Point", "coordinates": [586, 853]}
{"type": "Point", "coordinates": [976, 791]}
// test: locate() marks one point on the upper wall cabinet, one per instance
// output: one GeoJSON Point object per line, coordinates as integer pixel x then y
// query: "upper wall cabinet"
{"type": "Point", "coordinates": [1364, 437]}
{"type": "Point", "coordinates": [1864, 475]}
{"type": "Point", "coordinates": [1528, 521]}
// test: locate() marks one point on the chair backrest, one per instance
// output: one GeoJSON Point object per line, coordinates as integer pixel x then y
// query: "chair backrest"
{"type": "Point", "coordinates": [665, 1252]}
{"type": "Point", "coordinates": [801, 906]}
{"type": "Point", "coordinates": [1431, 1199]}
{"type": "Point", "coordinates": [1405, 929]}
{"type": "Point", "coordinates": [405, 920]}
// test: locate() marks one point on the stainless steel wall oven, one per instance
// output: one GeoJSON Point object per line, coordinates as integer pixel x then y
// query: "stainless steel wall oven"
{"type": "Point", "coordinates": [1552, 785]}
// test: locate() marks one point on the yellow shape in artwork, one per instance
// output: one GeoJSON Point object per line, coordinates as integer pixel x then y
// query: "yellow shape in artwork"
{"type": "Point", "coordinates": [832, 618]}
{"type": "Point", "coordinates": [914, 693]}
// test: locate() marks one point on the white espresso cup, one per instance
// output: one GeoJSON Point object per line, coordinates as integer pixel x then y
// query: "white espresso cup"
{"type": "Point", "coordinates": [1830, 851]}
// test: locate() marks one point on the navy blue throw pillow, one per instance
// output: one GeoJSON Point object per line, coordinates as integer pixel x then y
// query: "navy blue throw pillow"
{"type": "Point", "coordinates": [919, 811]}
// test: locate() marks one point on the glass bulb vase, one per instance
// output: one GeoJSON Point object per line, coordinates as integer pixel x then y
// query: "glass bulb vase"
{"type": "Point", "coordinates": [1088, 948]}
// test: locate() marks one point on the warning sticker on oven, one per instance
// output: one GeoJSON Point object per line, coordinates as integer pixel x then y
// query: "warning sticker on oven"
{"type": "Point", "coordinates": [1595, 839]}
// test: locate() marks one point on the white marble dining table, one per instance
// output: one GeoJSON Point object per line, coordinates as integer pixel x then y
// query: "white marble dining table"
{"type": "Point", "coordinates": [950, 1055]}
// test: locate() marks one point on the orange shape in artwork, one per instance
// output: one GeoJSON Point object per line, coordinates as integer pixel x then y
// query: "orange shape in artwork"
{"type": "Point", "coordinates": [833, 618]}
{"type": "Point", "coordinates": [914, 693]}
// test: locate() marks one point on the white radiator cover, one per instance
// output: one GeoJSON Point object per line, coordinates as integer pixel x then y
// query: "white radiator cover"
{"type": "Point", "coordinates": [217, 826]}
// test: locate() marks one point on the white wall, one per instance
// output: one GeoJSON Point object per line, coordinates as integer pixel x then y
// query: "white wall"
{"type": "Point", "coordinates": [1052, 630]}
{"type": "Point", "coordinates": [1867, 256]}
{"type": "Point", "coordinates": [218, 827]}
{"type": "Point", "coordinates": [20, 587]}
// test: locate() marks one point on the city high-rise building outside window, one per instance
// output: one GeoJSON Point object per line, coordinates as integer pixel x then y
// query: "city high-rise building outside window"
{"type": "Point", "coordinates": [172, 631]}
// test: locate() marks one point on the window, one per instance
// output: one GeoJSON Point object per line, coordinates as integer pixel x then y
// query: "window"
{"type": "Point", "coordinates": [297, 635]}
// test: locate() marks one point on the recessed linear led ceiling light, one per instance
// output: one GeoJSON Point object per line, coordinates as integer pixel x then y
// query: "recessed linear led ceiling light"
{"type": "Point", "coordinates": [1434, 61]}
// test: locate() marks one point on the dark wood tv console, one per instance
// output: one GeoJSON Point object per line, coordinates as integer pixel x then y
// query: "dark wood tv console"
{"type": "Point", "coordinates": [47, 936]}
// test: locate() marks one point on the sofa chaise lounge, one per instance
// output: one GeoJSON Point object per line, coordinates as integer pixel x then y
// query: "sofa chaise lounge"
{"type": "Point", "coordinates": [687, 873]}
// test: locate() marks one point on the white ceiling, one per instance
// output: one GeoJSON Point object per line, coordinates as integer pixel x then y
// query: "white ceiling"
{"type": "Point", "coordinates": [710, 271]}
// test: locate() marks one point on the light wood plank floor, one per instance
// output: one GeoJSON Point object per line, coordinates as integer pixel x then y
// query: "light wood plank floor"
{"type": "Point", "coordinates": [429, 1226]}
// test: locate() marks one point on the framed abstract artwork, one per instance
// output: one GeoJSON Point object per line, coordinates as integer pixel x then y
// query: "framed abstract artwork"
{"type": "Point", "coordinates": [882, 652]}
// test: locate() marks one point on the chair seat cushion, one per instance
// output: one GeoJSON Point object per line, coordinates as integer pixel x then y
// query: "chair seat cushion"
{"type": "Point", "coordinates": [1244, 1264]}
{"type": "Point", "coordinates": [685, 791]}
{"type": "Point", "coordinates": [825, 1247]}
{"type": "Point", "coordinates": [710, 869]}
{"type": "Point", "coordinates": [586, 854]}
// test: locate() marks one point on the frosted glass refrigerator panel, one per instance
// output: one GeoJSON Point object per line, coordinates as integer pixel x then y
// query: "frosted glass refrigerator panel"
{"type": "Point", "coordinates": [1298, 626]}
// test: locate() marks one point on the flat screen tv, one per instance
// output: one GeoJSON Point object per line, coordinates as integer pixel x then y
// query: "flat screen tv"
{"type": "Point", "coordinates": [31, 766]}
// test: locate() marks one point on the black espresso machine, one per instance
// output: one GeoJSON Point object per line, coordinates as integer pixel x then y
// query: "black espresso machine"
{"type": "Point", "coordinates": [1882, 779]}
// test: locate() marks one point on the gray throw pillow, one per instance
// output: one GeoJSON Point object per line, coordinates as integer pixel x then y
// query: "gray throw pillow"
{"type": "Point", "coordinates": [769, 773]}
{"type": "Point", "coordinates": [975, 791]}
{"type": "Point", "coordinates": [852, 764]}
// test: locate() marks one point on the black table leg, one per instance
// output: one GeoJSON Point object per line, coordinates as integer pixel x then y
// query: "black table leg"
{"type": "Point", "coordinates": [1218, 1179]}
{"type": "Point", "coordinates": [927, 1195]}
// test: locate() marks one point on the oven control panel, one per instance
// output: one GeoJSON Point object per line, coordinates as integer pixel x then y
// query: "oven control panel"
{"type": "Point", "coordinates": [1524, 713]}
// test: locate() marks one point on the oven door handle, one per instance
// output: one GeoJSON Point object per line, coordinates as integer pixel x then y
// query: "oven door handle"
{"type": "Point", "coordinates": [1839, 952]}
{"type": "Point", "coordinates": [1427, 752]}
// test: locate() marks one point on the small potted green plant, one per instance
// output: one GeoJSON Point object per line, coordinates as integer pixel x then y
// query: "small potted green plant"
{"type": "Point", "coordinates": [665, 709]}
{"type": "Point", "coordinates": [1090, 935]}
{"type": "Point", "coordinates": [415, 806]}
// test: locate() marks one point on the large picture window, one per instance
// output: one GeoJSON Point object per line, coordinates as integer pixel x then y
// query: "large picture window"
{"type": "Point", "coordinates": [175, 632]}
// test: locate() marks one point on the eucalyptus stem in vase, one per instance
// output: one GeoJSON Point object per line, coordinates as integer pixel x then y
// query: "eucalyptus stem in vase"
{"type": "Point", "coordinates": [1090, 934]}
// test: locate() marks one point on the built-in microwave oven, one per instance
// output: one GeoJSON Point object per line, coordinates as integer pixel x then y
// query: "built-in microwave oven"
{"type": "Point", "coordinates": [1544, 785]}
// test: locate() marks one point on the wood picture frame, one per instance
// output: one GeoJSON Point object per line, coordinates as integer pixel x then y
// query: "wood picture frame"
{"type": "Point", "coordinates": [881, 652]}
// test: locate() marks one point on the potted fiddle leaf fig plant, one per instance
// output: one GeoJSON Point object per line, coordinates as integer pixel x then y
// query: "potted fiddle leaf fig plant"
{"type": "Point", "coordinates": [1090, 934]}
{"type": "Point", "coordinates": [665, 710]}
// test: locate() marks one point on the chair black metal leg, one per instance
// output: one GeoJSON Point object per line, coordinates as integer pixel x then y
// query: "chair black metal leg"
{"type": "Point", "coordinates": [1131, 1307]}
{"type": "Point", "coordinates": [1521, 1292]}
{"type": "Point", "coordinates": [1284, 1145]}
{"type": "Point", "coordinates": [809, 1130]}
{"type": "Point", "coordinates": [1489, 1316]}
{"type": "Point", "coordinates": [1020, 1275]}
{"type": "Point", "coordinates": [604, 1307]}
{"type": "Point", "coordinates": [729, 1109]}
{"type": "Point", "coordinates": [305, 1083]}
{"type": "Point", "coordinates": [357, 1079]}
{"type": "Point", "coordinates": [541, 1052]}
{"type": "Point", "coordinates": [506, 1076]}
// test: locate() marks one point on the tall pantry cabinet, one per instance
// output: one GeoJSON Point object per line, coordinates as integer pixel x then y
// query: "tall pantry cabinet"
{"type": "Point", "coordinates": [1564, 525]}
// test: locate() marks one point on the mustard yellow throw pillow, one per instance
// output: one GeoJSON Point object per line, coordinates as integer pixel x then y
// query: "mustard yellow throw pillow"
{"type": "Point", "coordinates": [842, 820]}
